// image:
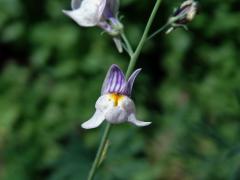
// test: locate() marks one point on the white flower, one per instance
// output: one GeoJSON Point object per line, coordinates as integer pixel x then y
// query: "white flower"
{"type": "Point", "coordinates": [101, 13]}
{"type": "Point", "coordinates": [115, 105]}
{"type": "Point", "coordinates": [86, 12]}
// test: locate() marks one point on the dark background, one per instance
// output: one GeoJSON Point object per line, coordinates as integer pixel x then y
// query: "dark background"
{"type": "Point", "coordinates": [51, 75]}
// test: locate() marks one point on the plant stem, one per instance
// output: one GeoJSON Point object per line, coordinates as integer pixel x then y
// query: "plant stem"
{"type": "Point", "coordinates": [170, 22]}
{"type": "Point", "coordinates": [100, 151]}
{"type": "Point", "coordinates": [158, 31]}
{"type": "Point", "coordinates": [143, 39]}
{"type": "Point", "coordinates": [128, 45]}
{"type": "Point", "coordinates": [134, 57]}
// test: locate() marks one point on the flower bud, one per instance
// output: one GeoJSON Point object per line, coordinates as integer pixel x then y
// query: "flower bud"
{"type": "Point", "coordinates": [183, 15]}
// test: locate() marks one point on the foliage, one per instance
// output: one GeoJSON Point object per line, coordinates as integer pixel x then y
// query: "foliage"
{"type": "Point", "coordinates": [51, 75]}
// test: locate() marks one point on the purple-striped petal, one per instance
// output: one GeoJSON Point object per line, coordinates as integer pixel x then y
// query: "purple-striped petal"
{"type": "Point", "coordinates": [129, 85]}
{"type": "Point", "coordinates": [114, 81]}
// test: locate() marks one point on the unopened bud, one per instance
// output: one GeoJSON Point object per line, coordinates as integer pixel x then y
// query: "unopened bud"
{"type": "Point", "coordinates": [183, 15]}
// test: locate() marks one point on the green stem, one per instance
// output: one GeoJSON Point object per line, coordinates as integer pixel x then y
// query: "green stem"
{"type": "Point", "coordinates": [158, 31]}
{"type": "Point", "coordinates": [169, 23]}
{"type": "Point", "coordinates": [134, 57]}
{"type": "Point", "coordinates": [128, 45]}
{"type": "Point", "coordinates": [100, 151]}
{"type": "Point", "coordinates": [143, 39]}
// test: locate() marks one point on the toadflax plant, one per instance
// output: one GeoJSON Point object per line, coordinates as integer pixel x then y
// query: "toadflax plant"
{"type": "Point", "coordinates": [115, 104]}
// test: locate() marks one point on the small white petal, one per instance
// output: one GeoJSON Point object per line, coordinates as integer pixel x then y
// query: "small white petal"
{"type": "Point", "coordinates": [95, 121]}
{"type": "Point", "coordinates": [132, 119]}
{"type": "Point", "coordinates": [89, 13]}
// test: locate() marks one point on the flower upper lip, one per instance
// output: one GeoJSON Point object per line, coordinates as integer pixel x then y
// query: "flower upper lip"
{"type": "Point", "coordinates": [115, 81]}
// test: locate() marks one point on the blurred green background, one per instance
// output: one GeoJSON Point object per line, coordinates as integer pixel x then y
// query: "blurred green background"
{"type": "Point", "coordinates": [51, 76]}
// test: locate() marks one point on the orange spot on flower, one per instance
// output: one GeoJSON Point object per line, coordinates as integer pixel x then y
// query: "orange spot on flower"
{"type": "Point", "coordinates": [116, 98]}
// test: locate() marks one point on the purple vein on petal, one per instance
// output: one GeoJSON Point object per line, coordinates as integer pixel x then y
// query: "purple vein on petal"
{"type": "Point", "coordinates": [114, 80]}
{"type": "Point", "coordinates": [116, 83]}
{"type": "Point", "coordinates": [113, 83]}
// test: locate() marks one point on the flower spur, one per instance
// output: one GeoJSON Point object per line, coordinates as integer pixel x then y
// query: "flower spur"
{"type": "Point", "coordinates": [115, 105]}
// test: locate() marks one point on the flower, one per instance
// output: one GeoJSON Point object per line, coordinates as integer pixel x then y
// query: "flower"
{"type": "Point", "coordinates": [115, 105]}
{"type": "Point", "coordinates": [183, 15]}
{"type": "Point", "coordinates": [101, 13]}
